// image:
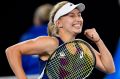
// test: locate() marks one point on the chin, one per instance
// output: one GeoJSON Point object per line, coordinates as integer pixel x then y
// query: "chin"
{"type": "Point", "coordinates": [79, 31]}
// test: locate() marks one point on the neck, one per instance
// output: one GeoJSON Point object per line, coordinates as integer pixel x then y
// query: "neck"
{"type": "Point", "coordinates": [66, 37]}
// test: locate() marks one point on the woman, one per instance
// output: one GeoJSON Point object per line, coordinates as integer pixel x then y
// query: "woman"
{"type": "Point", "coordinates": [64, 24]}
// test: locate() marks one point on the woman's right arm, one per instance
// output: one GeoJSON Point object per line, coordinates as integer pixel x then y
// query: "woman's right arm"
{"type": "Point", "coordinates": [34, 46]}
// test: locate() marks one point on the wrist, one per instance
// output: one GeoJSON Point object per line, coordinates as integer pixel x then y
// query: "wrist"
{"type": "Point", "coordinates": [97, 40]}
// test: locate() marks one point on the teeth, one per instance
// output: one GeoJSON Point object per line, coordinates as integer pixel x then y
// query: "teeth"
{"type": "Point", "coordinates": [76, 25]}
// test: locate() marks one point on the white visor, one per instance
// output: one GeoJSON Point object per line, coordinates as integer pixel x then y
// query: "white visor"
{"type": "Point", "coordinates": [68, 7]}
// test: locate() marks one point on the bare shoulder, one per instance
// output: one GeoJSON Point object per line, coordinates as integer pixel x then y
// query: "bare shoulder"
{"type": "Point", "coordinates": [46, 40]}
{"type": "Point", "coordinates": [50, 43]}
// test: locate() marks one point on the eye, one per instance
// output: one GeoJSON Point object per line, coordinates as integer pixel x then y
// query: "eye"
{"type": "Point", "coordinates": [71, 15]}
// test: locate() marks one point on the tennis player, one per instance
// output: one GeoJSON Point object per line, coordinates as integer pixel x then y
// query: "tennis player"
{"type": "Point", "coordinates": [64, 24]}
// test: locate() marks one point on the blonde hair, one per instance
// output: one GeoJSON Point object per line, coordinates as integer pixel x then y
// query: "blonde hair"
{"type": "Point", "coordinates": [52, 28]}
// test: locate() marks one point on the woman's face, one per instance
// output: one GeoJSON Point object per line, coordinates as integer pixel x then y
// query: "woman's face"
{"type": "Point", "coordinates": [71, 22]}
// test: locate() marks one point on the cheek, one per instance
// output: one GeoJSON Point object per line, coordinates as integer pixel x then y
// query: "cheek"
{"type": "Point", "coordinates": [67, 23]}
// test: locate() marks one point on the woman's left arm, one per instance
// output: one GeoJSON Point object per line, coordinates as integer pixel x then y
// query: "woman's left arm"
{"type": "Point", "coordinates": [104, 60]}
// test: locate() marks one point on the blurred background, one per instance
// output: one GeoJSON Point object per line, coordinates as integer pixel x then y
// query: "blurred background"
{"type": "Point", "coordinates": [104, 15]}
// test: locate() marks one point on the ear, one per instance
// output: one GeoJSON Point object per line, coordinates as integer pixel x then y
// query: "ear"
{"type": "Point", "coordinates": [59, 24]}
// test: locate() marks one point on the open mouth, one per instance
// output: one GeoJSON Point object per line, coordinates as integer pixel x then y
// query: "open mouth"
{"type": "Point", "coordinates": [77, 26]}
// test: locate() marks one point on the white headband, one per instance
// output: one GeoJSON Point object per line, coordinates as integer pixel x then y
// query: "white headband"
{"type": "Point", "coordinates": [68, 7]}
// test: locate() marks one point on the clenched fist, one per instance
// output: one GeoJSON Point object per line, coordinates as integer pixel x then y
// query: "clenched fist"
{"type": "Point", "coordinates": [92, 34]}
